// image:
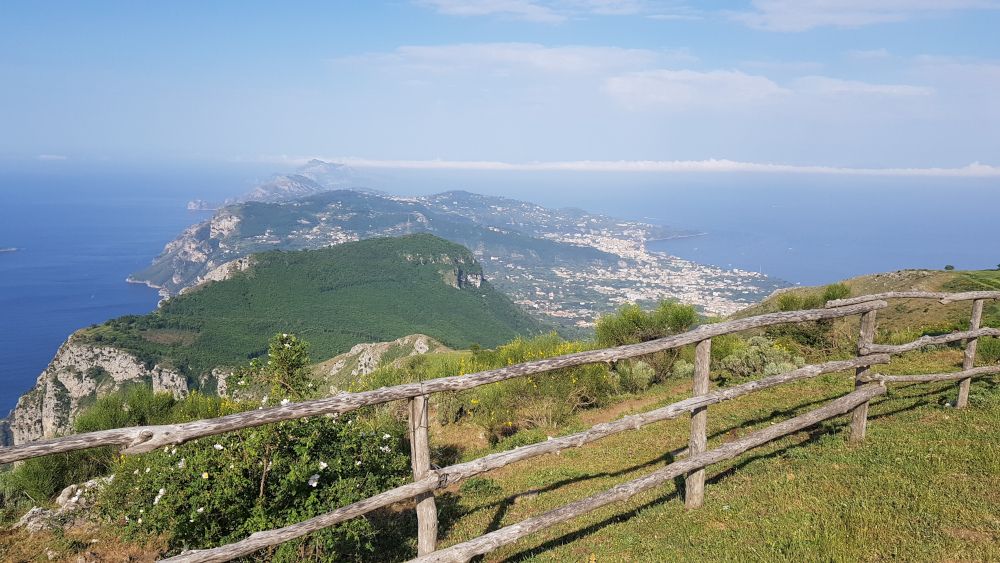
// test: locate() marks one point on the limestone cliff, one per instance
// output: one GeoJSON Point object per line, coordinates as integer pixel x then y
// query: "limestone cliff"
{"type": "Point", "coordinates": [363, 359]}
{"type": "Point", "coordinates": [72, 381]}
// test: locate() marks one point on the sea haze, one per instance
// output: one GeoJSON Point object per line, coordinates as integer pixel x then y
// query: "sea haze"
{"type": "Point", "coordinates": [82, 231]}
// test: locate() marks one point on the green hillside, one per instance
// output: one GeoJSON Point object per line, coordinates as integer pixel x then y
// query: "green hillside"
{"type": "Point", "coordinates": [373, 290]}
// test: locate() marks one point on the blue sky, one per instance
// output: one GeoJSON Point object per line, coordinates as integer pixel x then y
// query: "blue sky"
{"type": "Point", "coordinates": [891, 87]}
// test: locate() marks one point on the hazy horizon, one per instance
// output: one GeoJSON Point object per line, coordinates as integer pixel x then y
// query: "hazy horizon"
{"type": "Point", "coordinates": [884, 86]}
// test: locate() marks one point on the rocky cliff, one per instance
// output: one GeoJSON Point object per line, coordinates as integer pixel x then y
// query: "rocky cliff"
{"type": "Point", "coordinates": [365, 358]}
{"type": "Point", "coordinates": [72, 381]}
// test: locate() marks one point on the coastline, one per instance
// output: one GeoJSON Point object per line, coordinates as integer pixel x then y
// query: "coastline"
{"type": "Point", "coordinates": [674, 237]}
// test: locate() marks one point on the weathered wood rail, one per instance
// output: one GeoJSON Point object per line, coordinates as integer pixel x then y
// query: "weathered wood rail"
{"type": "Point", "coordinates": [427, 480]}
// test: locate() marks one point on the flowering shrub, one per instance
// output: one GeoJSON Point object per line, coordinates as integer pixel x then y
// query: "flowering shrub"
{"type": "Point", "coordinates": [221, 489]}
{"type": "Point", "coordinates": [216, 490]}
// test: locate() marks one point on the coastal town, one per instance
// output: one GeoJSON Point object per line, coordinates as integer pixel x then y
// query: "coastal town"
{"type": "Point", "coordinates": [575, 294]}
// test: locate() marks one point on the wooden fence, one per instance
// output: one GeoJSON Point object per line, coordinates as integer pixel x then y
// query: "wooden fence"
{"type": "Point", "coordinates": [426, 480]}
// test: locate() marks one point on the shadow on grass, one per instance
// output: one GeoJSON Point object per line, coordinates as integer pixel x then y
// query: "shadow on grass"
{"type": "Point", "coordinates": [815, 432]}
{"type": "Point", "coordinates": [400, 527]}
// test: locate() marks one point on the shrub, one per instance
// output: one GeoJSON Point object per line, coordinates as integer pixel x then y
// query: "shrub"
{"type": "Point", "coordinates": [789, 301]}
{"type": "Point", "coordinates": [631, 325]}
{"type": "Point", "coordinates": [217, 490]}
{"type": "Point", "coordinates": [221, 489]}
{"type": "Point", "coordinates": [635, 377]}
{"type": "Point", "coordinates": [41, 479]}
{"type": "Point", "coordinates": [988, 349]}
{"type": "Point", "coordinates": [683, 369]}
{"type": "Point", "coordinates": [760, 356]}
{"type": "Point", "coordinates": [503, 408]}
{"type": "Point", "coordinates": [836, 291]}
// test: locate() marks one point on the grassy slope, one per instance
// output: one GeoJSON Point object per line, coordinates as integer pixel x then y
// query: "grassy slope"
{"type": "Point", "coordinates": [336, 297]}
{"type": "Point", "coordinates": [923, 487]}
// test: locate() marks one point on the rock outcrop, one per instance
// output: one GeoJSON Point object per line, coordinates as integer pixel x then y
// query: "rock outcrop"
{"type": "Point", "coordinates": [363, 359]}
{"type": "Point", "coordinates": [72, 508]}
{"type": "Point", "coordinates": [74, 379]}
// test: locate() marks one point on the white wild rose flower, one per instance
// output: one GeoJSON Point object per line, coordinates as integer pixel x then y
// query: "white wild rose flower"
{"type": "Point", "coordinates": [323, 465]}
{"type": "Point", "coordinates": [314, 480]}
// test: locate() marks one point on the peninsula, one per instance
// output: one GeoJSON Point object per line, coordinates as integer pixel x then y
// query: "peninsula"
{"type": "Point", "coordinates": [564, 265]}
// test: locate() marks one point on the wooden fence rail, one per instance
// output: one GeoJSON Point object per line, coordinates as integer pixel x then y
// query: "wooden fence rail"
{"type": "Point", "coordinates": [440, 478]}
{"type": "Point", "coordinates": [427, 480]}
{"type": "Point", "coordinates": [144, 439]}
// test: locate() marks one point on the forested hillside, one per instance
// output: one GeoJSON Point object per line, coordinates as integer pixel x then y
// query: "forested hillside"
{"type": "Point", "coordinates": [368, 291]}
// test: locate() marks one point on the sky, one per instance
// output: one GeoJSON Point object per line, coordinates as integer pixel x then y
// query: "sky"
{"type": "Point", "coordinates": [870, 87]}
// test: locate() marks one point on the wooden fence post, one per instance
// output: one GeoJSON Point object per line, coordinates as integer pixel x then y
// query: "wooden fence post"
{"type": "Point", "coordinates": [866, 336]}
{"type": "Point", "coordinates": [970, 354]}
{"type": "Point", "coordinates": [420, 457]}
{"type": "Point", "coordinates": [694, 490]}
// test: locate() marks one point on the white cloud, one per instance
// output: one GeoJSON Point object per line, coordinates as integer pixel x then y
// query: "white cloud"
{"type": "Point", "coordinates": [518, 9]}
{"type": "Point", "coordinates": [510, 57]}
{"type": "Point", "coordinates": [547, 11]}
{"type": "Point", "coordinates": [823, 86]}
{"type": "Point", "coordinates": [51, 157]}
{"type": "Point", "coordinates": [612, 7]}
{"type": "Point", "coordinates": [679, 89]}
{"type": "Point", "coordinates": [974, 170]}
{"type": "Point", "coordinates": [802, 15]}
{"type": "Point", "coordinates": [672, 17]}
{"type": "Point", "coordinates": [784, 66]}
{"type": "Point", "coordinates": [874, 54]}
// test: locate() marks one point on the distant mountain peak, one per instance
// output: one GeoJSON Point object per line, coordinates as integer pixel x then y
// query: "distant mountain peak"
{"type": "Point", "coordinates": [331, 174]}
{"type": "Point", "coordinates": [282, 188]}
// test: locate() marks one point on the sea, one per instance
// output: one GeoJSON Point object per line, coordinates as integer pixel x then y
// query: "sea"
{"type": "Point", "coordinates": [80, 230]}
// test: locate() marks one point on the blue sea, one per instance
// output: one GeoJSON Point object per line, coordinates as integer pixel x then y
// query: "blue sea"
{"type": "Point", "coordinates": [79, 234]}
{"type": "Point", "coordinates": [82, 230]}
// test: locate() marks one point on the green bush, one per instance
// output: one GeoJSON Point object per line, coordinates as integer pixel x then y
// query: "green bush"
{"type": "Point", "coordinates": [760, 356]}
{"type": "Point", "coordinates": [683, 369]}
{"type": "Point", "coordinates": [988, 349]}
{"type": "Point", "coordinates": [836, 291]}
{"type": "Point", "coordinates": [632, 325]}
{"type": "Point", "coordinates": [789, 301]}
{"type": "Point", "coordinates": [501, 409]}
{"type": "Point", "coordinates": [41, 479]}
{"type": "Point", "coordinates": [217, 490]}
{"type": "Point", "coordinates": [634, 377]}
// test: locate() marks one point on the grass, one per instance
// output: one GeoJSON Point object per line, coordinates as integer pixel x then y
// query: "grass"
{"type": "Point", "coordinates": [923, 486]}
